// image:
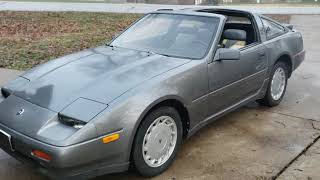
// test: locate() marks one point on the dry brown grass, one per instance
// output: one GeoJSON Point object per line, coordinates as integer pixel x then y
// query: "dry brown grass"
{"type": "Point", "coordinates": [31, 38]}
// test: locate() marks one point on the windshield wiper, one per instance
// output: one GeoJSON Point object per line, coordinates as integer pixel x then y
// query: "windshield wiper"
{"type": "Point", "coordinates": [151, 52]}
{"type": "Point", "coordinates": [110, 45]}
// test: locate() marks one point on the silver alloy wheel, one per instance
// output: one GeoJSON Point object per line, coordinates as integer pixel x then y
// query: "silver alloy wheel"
{"type": "Point", "coordinates": [278, 83]}
{"type": "Point", "coordinates": [159, 141]}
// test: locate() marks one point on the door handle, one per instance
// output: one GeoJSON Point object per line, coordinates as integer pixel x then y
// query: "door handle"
{"type": "Point", "coordinates": [262, 54]}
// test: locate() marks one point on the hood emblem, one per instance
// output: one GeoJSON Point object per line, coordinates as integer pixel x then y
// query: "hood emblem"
{"type": "Point", "coordinates": [20, 112]}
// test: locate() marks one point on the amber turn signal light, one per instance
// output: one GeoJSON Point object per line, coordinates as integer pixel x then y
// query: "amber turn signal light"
{"type": "Point", "coordinates": [111, 138]}
{"type": "Point", "coordinates": [42, 155]}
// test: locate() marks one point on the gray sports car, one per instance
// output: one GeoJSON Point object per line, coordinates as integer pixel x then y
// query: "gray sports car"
{"type": "Point", "coordinates": [134, 100]}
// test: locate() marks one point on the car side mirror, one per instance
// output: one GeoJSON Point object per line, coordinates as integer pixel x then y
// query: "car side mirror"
{"type": "Point", "coordinates": [227, 54]}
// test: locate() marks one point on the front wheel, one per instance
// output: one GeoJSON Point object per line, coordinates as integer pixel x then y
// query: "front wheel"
{"type": "Point", "coordinates": [157, 141]}
{"type": "Point", "coordinates": [277, 85]}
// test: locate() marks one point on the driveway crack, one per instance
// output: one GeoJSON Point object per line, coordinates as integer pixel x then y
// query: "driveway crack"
{"type": "Point", "coordinates": [295, 158]}
{"type": "Point", "coordinates": [281, 123]}
{"type": "Point", "coordinates": [315, 126]}
{"type": "Point", "coordinates": [299, 117]}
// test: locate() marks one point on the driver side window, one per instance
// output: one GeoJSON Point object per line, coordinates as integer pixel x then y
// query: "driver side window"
{"type": "Point", "coordinates": [238, 33]}
{"type": "Point", "coordinates": [234, 38]}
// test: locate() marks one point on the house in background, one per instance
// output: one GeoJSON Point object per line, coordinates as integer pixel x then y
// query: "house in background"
{"type": "Point", "coordinates": [173, 2]}
{"type": "Point", "coordinates": [209, 2]}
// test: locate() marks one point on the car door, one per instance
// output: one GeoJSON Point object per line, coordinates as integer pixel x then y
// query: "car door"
{"type": "Point", "coordinates": [232, 81]}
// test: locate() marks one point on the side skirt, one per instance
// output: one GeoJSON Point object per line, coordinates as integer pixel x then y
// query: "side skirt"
{"type": "Point", "coordinates": [219, 114]}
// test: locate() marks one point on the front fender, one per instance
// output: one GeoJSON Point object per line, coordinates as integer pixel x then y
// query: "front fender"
{"type": "Point", "coordinates": [184, 84]}
{"type": "Point", "coordinates": [126, 114]}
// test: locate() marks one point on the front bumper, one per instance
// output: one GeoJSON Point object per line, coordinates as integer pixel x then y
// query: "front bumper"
{"type": "Point", "coordinates": [80, 161]}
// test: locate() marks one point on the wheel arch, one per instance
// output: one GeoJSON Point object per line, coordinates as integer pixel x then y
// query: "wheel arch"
{"type": "Point", "coordinates": [172, 101]}
{"type": "Point", "coordinates": [286, 58]}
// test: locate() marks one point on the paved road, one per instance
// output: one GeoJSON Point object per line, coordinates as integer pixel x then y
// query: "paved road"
{"type": "Point", "coordinates": [251, 143]}
{"type": "Point", "coordinates": [140, 8]}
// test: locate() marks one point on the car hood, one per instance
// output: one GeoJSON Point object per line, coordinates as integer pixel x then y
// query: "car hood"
{"type": "Point", "coordinates": [101, 74]}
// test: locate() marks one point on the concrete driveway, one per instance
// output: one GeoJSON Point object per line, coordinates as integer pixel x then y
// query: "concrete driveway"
{"type": "Point", "coordinates": [251, 143]}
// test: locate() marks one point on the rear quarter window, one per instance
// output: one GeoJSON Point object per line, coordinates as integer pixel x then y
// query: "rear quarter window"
{"type": "Point", "coordinates": [272, 29]}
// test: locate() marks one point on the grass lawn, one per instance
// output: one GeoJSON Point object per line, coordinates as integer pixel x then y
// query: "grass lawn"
{"type": "Point", "coordinates": [31, 38]}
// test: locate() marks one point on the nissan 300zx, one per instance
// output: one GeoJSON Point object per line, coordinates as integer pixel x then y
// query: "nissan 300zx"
{"type": "Point", "coordinates": [134, 100]}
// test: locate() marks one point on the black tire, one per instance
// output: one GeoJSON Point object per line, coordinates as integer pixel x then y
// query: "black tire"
{"type": "Point", "coordinates": [139, 163]}
{"type": "Point", "coordinates": [268, 100]}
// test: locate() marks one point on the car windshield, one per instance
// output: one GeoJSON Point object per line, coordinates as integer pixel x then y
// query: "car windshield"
{"type": "Point", "coordinates": [182, 36]}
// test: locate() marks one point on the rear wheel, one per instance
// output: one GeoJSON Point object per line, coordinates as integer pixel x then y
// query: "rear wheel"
{"type": "Point", "coordinates": [157, 141]}
{"type": "Point", "coordinates": [277, 85]}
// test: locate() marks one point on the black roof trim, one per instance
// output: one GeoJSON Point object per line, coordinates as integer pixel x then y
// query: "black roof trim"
{"type": "Point", "coordinates": [165, 9]}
